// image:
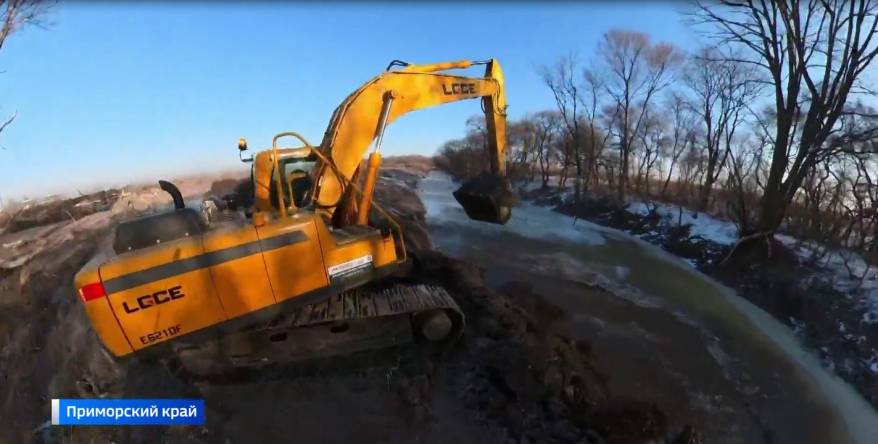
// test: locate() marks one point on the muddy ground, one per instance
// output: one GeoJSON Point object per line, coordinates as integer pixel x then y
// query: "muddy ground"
{"type": "Point", "coordinates": [507, 380]}
{"type": "Point", "coordinates": [791, 290]}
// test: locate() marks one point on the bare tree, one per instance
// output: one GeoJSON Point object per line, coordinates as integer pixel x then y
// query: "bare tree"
{"type": "Point", "coordinates": [546, 125]}
{"type": "Point", "coordinates": [466, 157]}
{"type": "Point", "coordinates": [562, 80]}
{"type": "Point", "coordinates": [691, 166]}
{"type": "Point", "coordinates": [8, 121]}
{"type": "Point", "coordinates": [597, 139]}
{"type": "Point", "coordinates": [653, 141]}
{"type": "Point", "coordinates": [683, 122]}
{"type": "Point", "coordinates": [520, 148]}
{"type": "Point", "coordinates": [853, 169]}
{"type": "Point", "coordinates": [814, 52]}
{"type": "Point", "coordinates": [636, 70]}
{"type": "Point", "coordinates": [722, 93]}
{"type": "Point", "coordinates": [743, 182]}
{"type": "Point", "coordinates": [16, 14]}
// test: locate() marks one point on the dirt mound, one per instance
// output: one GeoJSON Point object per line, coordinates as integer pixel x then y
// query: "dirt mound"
{"type": "Point", "coordinates": [233, 192]}
{"type": "Point", "coordinates": [398, 196]}
{"type": "Point", "coordinates": [488, 184]}
{"type": "Point", "coordinates": [56, 210]}
{"type": "Point", "coordinates": [48, 349]}
{"type": "Point", "coordinates": [419, 165]}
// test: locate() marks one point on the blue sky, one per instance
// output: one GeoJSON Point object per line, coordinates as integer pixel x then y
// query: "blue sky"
{"type": "Point", "coordinates": [111, 94]}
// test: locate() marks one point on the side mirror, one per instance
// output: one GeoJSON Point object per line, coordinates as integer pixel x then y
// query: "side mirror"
{"type": "Point", "coordinates": [242, 146]}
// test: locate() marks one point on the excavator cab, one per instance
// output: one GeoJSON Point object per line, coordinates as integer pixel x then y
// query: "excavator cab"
{"type": "Point", "coordinates": [297, 173]}
{"type": "Point", "coordinates": [295, 181]}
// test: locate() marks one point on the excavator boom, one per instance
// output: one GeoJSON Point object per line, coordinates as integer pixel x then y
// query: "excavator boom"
{"type": "Point", "coordinates": [364, 114]}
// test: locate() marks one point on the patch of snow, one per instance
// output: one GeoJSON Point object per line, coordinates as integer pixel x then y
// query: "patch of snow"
{"type": "Point", "coordinates": [394, 181]}
{"type": "Point", "coordinates": [846, 270]}
{"type": "Point", "coordinates": [702, 224]}
{"type": "Point", "coordinates": [798, 326]}
{"type": "Point", "coordinates": [638, 207]}
{"type": "Point", "coordinates": [528, 186]}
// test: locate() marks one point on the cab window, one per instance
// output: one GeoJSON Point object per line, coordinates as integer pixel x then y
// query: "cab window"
{"type": "Point", "coordinates": [297, 180]}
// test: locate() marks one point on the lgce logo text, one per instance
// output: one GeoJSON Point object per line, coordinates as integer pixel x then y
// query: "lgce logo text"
{"type": "Point", "coordinates": [151, 300]}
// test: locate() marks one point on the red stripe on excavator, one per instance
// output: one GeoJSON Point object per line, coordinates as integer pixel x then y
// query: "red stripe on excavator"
{"type": "Point", "coordinates": [92, 291]}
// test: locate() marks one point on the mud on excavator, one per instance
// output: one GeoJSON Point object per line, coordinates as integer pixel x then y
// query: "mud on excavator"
{"type": "Point", "coordinates": [301, 265]}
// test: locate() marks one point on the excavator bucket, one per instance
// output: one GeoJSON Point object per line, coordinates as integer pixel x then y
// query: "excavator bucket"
{"type": "Point", "coordinates": [486, 197]}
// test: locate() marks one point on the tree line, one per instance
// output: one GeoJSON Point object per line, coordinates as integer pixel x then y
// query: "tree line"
{"type": "Point", "coordinates": [769, 124]}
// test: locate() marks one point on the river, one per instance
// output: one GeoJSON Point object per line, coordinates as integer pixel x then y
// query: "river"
{"type": "Point", "coordinates": [661, 331]}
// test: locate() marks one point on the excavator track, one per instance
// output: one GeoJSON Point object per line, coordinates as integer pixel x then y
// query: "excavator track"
{"type": "Point", "coordinates": [365, 318]}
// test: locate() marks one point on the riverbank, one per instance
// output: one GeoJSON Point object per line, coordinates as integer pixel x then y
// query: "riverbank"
{"type": "Point", "coordinates": [667, 332]}
{"type": "Point", "coordinates": [832, 316]}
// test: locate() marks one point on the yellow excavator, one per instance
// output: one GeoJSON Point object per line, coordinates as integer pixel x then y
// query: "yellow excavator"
{"type": "Point", "coordinates": [301, 262]}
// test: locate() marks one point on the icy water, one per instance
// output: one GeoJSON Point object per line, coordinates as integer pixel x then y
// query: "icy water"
{"type": "Point", "coordinates": [666, 332]}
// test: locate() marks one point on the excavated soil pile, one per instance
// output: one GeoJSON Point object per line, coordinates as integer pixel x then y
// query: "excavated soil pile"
{"type": "Point", "coordinates": [486, 184]}
{"type": "Point", "coordinates": [56, 210]}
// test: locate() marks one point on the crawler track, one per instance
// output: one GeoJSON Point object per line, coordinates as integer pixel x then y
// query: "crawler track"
{"type": "Point", "coordinates": [353, 321]}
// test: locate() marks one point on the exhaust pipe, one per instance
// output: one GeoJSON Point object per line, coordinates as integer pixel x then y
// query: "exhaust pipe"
{"type": "Point", "coordinates": [174, 192]}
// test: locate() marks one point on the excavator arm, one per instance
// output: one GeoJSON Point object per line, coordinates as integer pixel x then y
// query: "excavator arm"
{"type": "Point", "coordinates": [363, 116]}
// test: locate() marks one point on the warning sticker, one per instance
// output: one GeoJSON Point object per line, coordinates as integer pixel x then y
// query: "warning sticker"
{"type": "Point", "coordinates": [349, 266]}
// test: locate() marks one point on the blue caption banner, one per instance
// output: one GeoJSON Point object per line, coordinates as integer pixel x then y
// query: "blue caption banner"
{"type": "Point", "coordinates": [122, 412]}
